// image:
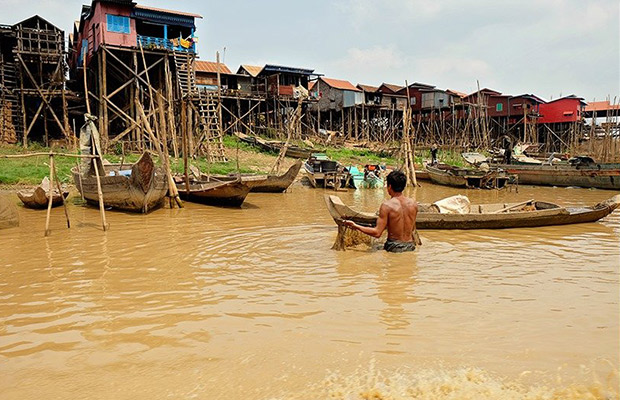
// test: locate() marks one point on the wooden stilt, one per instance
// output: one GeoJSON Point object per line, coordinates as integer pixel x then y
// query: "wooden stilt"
{"type": "Point", "coordinates": [50, 195]}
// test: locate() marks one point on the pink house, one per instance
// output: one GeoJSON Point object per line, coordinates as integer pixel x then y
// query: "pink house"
{"type": "Point", "coordinates": [123, 23]}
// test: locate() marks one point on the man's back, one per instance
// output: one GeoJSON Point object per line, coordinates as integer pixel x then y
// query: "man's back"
{"type": "Point", "coordinates": [401, 212]}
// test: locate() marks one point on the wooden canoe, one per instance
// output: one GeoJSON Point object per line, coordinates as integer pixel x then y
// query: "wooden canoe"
{"type": "Point", "coordinates": [141, 190]}
{"type": "Point", "coordinates": [217, 193]}
{"type": "Point", "coordinates": [600, 176]}
{"type": "Point", "coordinates": [264, 183]}
{"type": "Point", "coordinates": [38, 198]}
{"type": "Point", "coordinates": [448, 175]}
{"type": "Point", "coordinates": [486, 216]}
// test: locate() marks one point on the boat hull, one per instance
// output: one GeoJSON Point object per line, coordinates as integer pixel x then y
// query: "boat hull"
{"type": "Point", "coordinates": [600, 176]}
{"type": "Point", "coordinates": [143, 191]}
{"type": "Point", "coordinates": [485, 216]}
{"type": "Point", "coordinates": [225, 194]}
{"type": "Point", "coordinates": [39, 199]}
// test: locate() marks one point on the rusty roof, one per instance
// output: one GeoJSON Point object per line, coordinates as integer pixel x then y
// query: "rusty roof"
{"type": "Point", "coordinates": [368, 88]}
{"type": "Point", "coordinates": [163, 10]}
{"type": "Point", "coordinates": [393, 88]}
{"type": "Point", "coordinates": [340, 84]}
{"type": "Point", "coordinates": [601, 106]}
{"type": "Point", "coordinates": [253, 70]}
{"type": "Point", "coordinates": [311, 84]}
{"type": "Point", "coordinates": [211, 66]}
{"type": "Point", "coordinates": [457, 93]}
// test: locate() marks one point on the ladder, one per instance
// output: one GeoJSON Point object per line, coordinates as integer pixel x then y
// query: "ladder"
{"type": "Point", "coordinates": [9, 101]}
{"type": "Point", "coordinates": [211, 137]}
{"type": "Point", "coordinates": [185, 73]}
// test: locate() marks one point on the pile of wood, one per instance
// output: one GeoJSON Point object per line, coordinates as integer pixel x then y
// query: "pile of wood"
{"type": "Point", "coordinates": [7, 129]}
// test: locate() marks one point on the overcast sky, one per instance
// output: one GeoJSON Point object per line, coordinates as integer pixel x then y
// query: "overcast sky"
{"type": "Point", "coordinates": [546, 47]}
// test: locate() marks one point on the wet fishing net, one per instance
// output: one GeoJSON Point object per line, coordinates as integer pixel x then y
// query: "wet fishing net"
{"type": "Point", "coordinates": [8, 214]}
{"type": "Point", "coordinates": [351, 238]}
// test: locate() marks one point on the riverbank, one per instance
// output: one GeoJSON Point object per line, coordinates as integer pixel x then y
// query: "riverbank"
{"type": "Point", "coordinates": [242, 157]}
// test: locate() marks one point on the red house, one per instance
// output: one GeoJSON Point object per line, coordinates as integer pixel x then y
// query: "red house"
{"type": "Point", "coordinates": [565, 109]}
{"type": "Point", "coordinates": [415, 94]}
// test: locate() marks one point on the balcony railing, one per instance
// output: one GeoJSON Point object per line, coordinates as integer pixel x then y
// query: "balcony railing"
{"type": "Point", "coordinates": [157, 43]}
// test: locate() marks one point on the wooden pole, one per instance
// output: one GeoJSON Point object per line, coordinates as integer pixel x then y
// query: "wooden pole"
{"type": "Point", "coordinates": [104, 224]}
{"type": "Point", "coordinates": [50, 195]}
{"type": "Point", "coordinates": [64, 202]}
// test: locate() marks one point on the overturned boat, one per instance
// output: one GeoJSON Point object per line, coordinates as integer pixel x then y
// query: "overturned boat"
{"type": "Point", "coordinates": [485, 216]}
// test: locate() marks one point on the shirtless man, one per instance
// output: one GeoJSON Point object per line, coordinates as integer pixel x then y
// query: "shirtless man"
{"type": "Point", "coordinates": [397, 214]}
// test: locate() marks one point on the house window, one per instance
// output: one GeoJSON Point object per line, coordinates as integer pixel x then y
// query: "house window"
{"type": "Point", "coordinates": [412, 101]}
{"type": "Point", "coordinates": [118, 23]}
{"type": "Point", "coordinates": [83, 52]}
{"type": "Point", "coordinates": [499, 107]}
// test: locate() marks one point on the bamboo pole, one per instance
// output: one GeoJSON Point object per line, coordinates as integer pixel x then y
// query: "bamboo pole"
{"type": "Point", "coordinates": [104, 224]}
{"type": "Point", "coordinates": [50, 195]}
{"type": "Point", "coordinates": [64, 202]}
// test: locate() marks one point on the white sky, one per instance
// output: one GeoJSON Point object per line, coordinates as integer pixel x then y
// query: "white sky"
{"type": "Point", "coordinates": [546, 47]}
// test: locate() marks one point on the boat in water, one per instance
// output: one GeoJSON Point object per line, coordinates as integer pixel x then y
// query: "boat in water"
{"type": "Point", "coordinates": [325, 173]}
{"type": "Point", "coordinates": [448, 175]}
{"type": "Point", "coordinates": [531, 213]}
{"type": "Point", "coordinates": [139, 187]}
{"type": "Point", "coordinates": [213, 192]}
{"type": "Point", "coordinates": [38, 198]}
{"type": "Point", "coordinates": [263, 183]}
{"type": "Point", "coordinates": [370, 178]}
{"type": "Point", "coordinates": [578, 171]}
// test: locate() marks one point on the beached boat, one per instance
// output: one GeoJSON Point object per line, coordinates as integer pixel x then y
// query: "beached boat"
{"type": "Point", "coordinates": [38, 197]}
{"type": "Point", "coordinates": [274, 146]}
{"type": "Point", "coordinates": [214, 192]}
{"type": "Point", "coordinates": [486, 216]}
{"type": "Point", "coordinates": [325, 173]}
{"type": "Point", "coordinates": [140, 187]}
{"type": "Point", "coordinates": [263, 183]}
{"type": "Point", "coordinates": [579, 171]}
{"type": "Point", "coordinates": [443, 174]}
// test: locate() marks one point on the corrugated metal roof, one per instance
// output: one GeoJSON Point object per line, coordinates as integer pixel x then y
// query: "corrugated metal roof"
{"type": "Point", "coordinates": [211, 66]}
{"type": "Point", "coordinates": [253, 70]}
{"type": "Point", "coordinates": [368, 88]}
{"type": "Point", "coordinates": [340, 84]}
{"type": "Point", "coordinates": [162, 10]}
{"type": "Point", "coordinates": [287, 70]}
{"type": "Point", "coordinates": [311, 84]}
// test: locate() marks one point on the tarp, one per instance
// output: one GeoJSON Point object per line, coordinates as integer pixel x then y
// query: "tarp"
{"type": "Point", "coordinates": [458, 204]}
{"type": "Point", "coordinates": [8, 213]}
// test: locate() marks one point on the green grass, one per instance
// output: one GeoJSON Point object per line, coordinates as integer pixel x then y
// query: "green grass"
{"type": "Point", "coordinates": [31, 170]}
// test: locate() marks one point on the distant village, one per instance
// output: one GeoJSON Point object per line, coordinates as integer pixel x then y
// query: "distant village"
{"type": "Point", "coordinates": [134, 66]}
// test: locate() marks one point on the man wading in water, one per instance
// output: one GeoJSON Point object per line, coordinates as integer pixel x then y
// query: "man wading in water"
{"type": "Point", "coordinates": [397, 214]}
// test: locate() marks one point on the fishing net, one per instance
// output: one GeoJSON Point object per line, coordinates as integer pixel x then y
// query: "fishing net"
{"type": "Point", "coordinates": [8, 214]}
{"type": "Point", "coordinates": [349, 238]}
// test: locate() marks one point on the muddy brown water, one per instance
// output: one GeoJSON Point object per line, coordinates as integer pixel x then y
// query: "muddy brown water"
{"type": "Point", "coordinates": [251, 303]}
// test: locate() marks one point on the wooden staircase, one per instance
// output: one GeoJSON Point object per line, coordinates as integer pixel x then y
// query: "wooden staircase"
{"type": "Point", "coordinates": [211, 128]}
{"type": "Point", "coordinates": [9, 99]}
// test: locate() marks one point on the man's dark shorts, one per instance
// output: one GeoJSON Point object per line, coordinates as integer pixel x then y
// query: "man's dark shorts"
{"type": "Point", "coordinates": [396, 246]}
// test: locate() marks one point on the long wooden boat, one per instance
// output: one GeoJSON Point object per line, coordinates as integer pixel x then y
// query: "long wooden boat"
{"type": "Point", "coordinates": [38, 198]}
{"type": "Point", "coordinates": [140, 187]}
{"type": "Point", "coordinates": [264, 183]}
{"type": "Point", "coordinates": [325, 173]}
{"type": "Point", "coordinates": [213, 192]}
{"type": "Point", "coordinates": [486, 216]}
{"type": "Point", "coordinates": [447, 175]}
{"type": "Point", "coordinates": [586, 175]}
